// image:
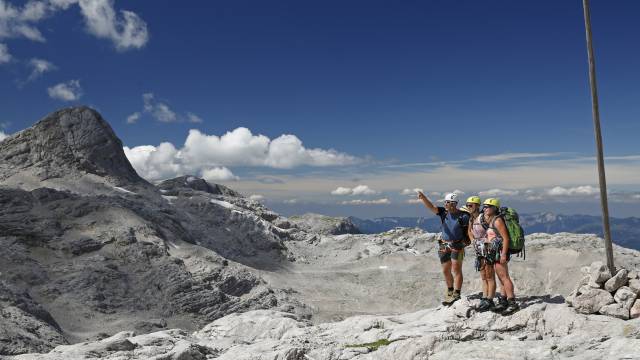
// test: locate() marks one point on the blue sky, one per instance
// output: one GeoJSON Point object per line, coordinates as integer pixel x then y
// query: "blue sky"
{"type": "Point", "coordinates": [381, 96]}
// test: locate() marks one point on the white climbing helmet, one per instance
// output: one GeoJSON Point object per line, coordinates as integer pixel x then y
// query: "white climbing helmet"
{"type": "Point", "coordinates": [453, 197]}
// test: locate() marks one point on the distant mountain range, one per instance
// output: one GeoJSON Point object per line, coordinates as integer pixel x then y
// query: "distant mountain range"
{"type": "Point", "coordinates": [624, 231]}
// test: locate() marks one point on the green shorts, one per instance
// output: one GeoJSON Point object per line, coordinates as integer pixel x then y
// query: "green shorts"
{"type": "Point", "coordinates": [450, 251]}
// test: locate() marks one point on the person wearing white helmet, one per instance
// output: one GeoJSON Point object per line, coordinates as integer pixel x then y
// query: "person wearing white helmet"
{"type": "Point", "coordinates": [452, 243]}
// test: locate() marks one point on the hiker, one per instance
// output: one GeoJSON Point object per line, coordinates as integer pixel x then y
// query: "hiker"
{"type": "Point", "coordinates": [452, 243]}
{"type": "Point", "coordinates": [485, 254]}
{"type": "Point", "coordinates": [499, 256]}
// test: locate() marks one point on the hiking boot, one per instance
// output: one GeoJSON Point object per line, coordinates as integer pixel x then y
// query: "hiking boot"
{"type": "Point", "coordinates": [501, 305]}
{"type": "Point", "coordinates": [456, 296]}
{"type": "Point", "coordinates": [485, 305]}
{"type": "Point", "coordinates": [512, 306]}
{"type": "Point", "coordinates": [448, 298]}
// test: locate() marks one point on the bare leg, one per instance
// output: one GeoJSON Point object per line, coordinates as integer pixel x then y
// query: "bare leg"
{"type": "Point", "coordinates": [491, 281]}
{"type": "Point", "coordinates": [456, 266]}
{"type": "Point", "coordinates": [502, 270]}
{"type": "Point", "coordinates": [446, 271]}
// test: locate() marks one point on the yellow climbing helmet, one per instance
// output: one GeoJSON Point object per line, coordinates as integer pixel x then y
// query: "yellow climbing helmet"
{"type": "Point", "coordinates": [473, 200]}
{"type": "Point", "coordinates": [492, 202]}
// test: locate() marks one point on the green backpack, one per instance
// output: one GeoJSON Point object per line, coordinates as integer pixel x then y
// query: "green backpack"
{"type": "Point", "coordinates": [516, 233]}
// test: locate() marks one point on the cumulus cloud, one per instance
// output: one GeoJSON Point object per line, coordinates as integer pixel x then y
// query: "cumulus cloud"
{"type": "Point", "coordinates": [498, 192]}
{"type": "Point", "coordinates": [201, 153]}
{"type": "Point", "coordinates": [69, 91]}
{"type": "Point", "coordinates": [411, 191]}
{"type": "Point", "coordinates": [5, 57]}
{"type": "Point", "coordinates": [3, 135]}
{"type": "Point", "coordinates": [413, 201]}
{"type": "Point", "coordinates": [125, 29]}
{"type": "Point", "coordinates": [219, 173]}
{"type": "Point", "coordinates": [256, 197]}
{"type": "Point", "coordinates": [291, 201]}
{"type": "Point", "coordinates": [584, 190]}
{"type": "Point", "coordinates": [133, 118]}
{"type": "Point", "coordinates": [358, 190]}
{"type": "Point", "coordinates": [39, 67]}
{"type": "Point", "coordinates": [383, 201]}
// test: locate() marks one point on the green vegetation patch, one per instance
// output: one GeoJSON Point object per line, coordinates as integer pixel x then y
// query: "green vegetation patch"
{"type": "Point", "coordinates": [373, 346]}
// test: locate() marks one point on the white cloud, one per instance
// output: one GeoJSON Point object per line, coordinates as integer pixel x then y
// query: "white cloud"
{"type": "Point", "coordinates": [69, 91]}
{"type": "Point", "coordinates": [126, 31]}
{"type": "Point", "coordinates": [219, 173]}
{"type": "Point", "coordinates": [341, 191]}
{"type": "Point", "coordinates": [3, 135]}
{"type": "Point", "coordinates": [133, 118]}
{"type": "Point", "coordinates": [39, 67]}
{"type": "Point", "coordinates": [291, 201]}
{"type": "Point", "coordinates": [202, 153]}
{"type": "Point", "coordinates": [358, 190]}
{"type": "Point", "coordinates": [413, 201]}
{"type": "Point", "coordinates": [584, 190]}
{"type": "Point", "coordinates": [159, 110]}
{"type": "Point", "coordinates": [411, 191]}
{"type": "Point", "coordinates": [498, 192]}
{"type": "Point", "coordinates": [256, 197]}
{"type": "Point", "coordinates": [241, 148]}
{"type": "Point", "coordinates": [512, 156]}
{"type": "Point", "coordinates": [163, 113]}
{"type": "Point", "coordinates": [193, 118]}
{"type": "Point", "coordinates": [384, 201]}
{"type": "Point", "coordinates": [5, 57]}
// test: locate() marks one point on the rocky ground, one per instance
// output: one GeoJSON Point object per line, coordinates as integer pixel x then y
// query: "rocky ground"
{"type": "Point", "coordinates": [192, 270]}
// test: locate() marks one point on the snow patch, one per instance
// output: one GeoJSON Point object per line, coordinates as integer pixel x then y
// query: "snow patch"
{"type": "Point", "coordinates": [124, 190]}
{"type": "Point", "coordinates": [223, 204]}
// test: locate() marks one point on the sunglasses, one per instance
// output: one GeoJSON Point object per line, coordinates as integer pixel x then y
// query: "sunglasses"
{"type": "Point", "coordinates": [471, 204]}
{"type": "Point", "coordinates": [450, 202]}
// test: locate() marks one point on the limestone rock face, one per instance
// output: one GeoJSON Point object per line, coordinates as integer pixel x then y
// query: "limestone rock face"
{"type": "Point", "coordinates": [618, 281]}
{"type": "Point", "coordinates": [592, 300]}
{"type": "Point", "coordinates": [544, 328]}
{"type": "Point", "coordinates": [325, 225]}
{"type": "Point", "coordinates": [69, 140]}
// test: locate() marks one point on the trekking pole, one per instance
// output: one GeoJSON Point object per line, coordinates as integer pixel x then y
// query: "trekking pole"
{"type": "Point", "coordinates": [596, 124]}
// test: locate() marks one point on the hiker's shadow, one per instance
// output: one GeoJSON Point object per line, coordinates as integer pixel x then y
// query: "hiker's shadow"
{"type": "Point", "coordinates": [526, 301]}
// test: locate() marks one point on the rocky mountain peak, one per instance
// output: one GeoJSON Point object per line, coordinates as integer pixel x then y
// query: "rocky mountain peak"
{"type": "Point", "coordinates": [75, 139]}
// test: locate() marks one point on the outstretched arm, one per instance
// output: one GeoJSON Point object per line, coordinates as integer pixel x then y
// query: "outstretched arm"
{"type": "Point", "coordinates": [427, 203]}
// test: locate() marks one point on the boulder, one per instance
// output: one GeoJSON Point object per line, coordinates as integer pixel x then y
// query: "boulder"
{"type": "Point", "coordinates": [635, 310]}
{"type": "Point", "coordinates": [592, 300]}
{"type": "Point", "coordinates": [634, 285]}
{"type": "Point", "coordinates": [599, 273]}
{"type": "Point", "coordinates": [615, 310]}
{"type": "Point", "coordinates": [618, 281]}
{"type": "Point", "coordinates": [633, 274]}
{"type": "Point", "coordinates": [625, 297]}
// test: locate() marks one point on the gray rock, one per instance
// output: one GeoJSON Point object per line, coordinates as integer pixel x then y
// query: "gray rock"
{"type": "Point", "coordinates": [599, 272]}
{"type": "Point", "coordinates": [633, 274]}
{"type": "Point", "coordinates": [625, 297]}
{"type": "Point", "coordinates": [616, 310]}
{"type": "Point", "coordinates": [616, 282]}
{"type": "Point", "coordinates": [634, 285]}
{"type": "Point", "coordinates": [590, 301]}
{"type": "Point", "coordinates": [71, 139]}
{"type": "Point", "coordinates": [635, 310]}
{"type": "Point", "coordinates": [325, 225]}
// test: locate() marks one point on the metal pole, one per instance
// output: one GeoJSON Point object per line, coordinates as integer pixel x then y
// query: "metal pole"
{"type": "Point", "coordinates": [596, 124]}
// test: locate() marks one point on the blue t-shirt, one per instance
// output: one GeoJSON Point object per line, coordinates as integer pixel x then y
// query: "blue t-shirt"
{"type": "Point", "coordinates": [451, 229]}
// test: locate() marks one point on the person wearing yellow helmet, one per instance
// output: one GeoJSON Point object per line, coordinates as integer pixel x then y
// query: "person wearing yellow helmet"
{"type": "Point", "coordinates": [498, 253]}
{"type": "Point", "coordinates": [484, 255]}
{"type": "Point", "coordinates": [452, 243]}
